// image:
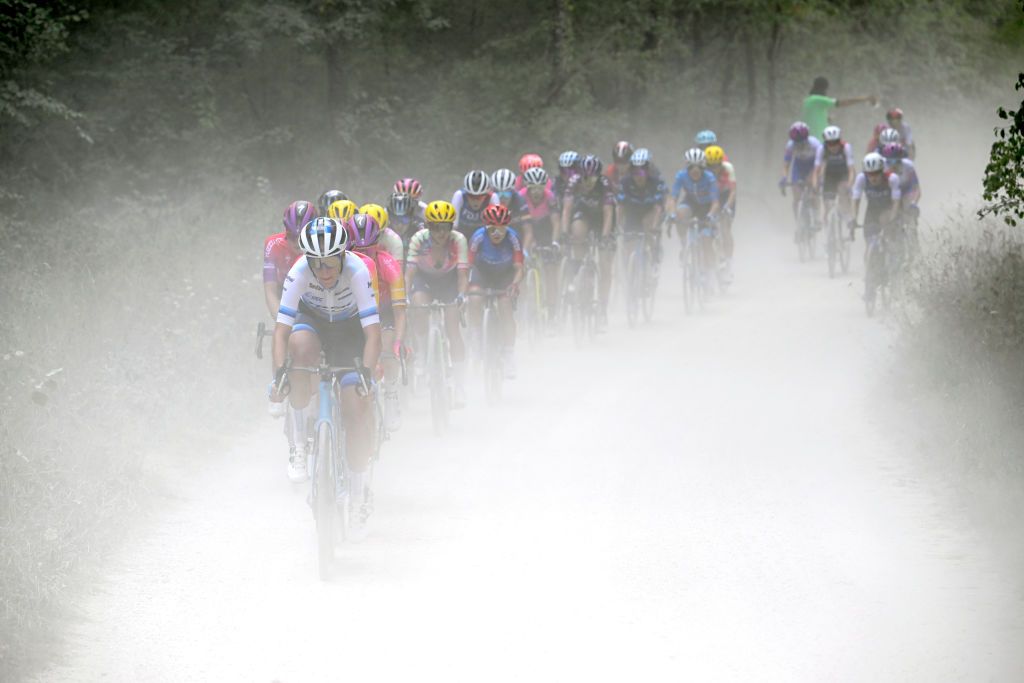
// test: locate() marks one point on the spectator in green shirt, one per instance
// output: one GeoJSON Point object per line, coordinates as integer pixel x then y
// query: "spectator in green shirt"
{"type": "Point", "coordinates": [817, 104]}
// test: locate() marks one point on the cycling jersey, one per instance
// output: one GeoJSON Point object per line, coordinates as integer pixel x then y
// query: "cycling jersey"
{"type": "Point", "coordinates": [521, 184]}
{"type": "Point", "coordinates": [389, 271]}
{"type": "Point", "coordinates": [485, 254]}
{"type": "Point", "coordinates": [906, 172]}
{"type": "Point", "coordinates": [540, 214]}
{"type": "Point", "coordinates": [702, 193]}
{"type": "Point", "coordinates": [516, 206]}
{"type": "Point", "coordinates": [278, 258]}
{"type": "Point", "coordinates": [837, 164]}
{"type": "Point", "coordinates": [422, 254]}
{"type": "Point", "coordinates": [589, 201]}
{"type": "Point", "coordinates": [879, 197]}
{"type": "Point", "coordinates": [725, 174]}
{"type": "Point", "coordinates": [802, 156]}
{"type": "Point", "coordinates": [467, 218]}
{"type": "Point", "coordinates": [392, 244]}
{"type": "Point", "coordinates": [405, 227]}
{"type": "Point", "coordinates": [561, 183]}
{"type": "Point", "coordinates": [350, 298]}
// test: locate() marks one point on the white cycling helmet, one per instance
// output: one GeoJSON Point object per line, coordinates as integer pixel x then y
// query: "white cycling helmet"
{"type": "Point", "coordinates": [476, 182]}
{"type": "Point", "coordinates": [874, 162]}
{"type": "Point", "coordinates": [832, 134]}
{"type": "Point", "coordinates": [503, 180]}
{"type": "Point", "coordinates": [568, 159]}
{"type": "Point", "coordinates": [695, 157]}
{"type": "Point", "coordinates": [641, 157]}
{"type": "Point", "coordinates": [323, 237]}
{"type": "Point", "coordinates": [889, 135]}
{"type": "Point", "coordinates": [535, 176]}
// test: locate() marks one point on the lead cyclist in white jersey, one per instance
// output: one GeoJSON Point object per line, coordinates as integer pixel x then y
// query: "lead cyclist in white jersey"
{"type": "Point", "coordinates": [328, 303]}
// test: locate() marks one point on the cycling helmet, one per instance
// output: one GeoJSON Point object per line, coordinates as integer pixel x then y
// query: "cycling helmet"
{"type": "Point", "coordinates": [695, 157]}
{"type": "Point", "coordinates": [889, 135]}
{"type": "Point", "coordinates": [409, 186]}
{"type": "Point", "coordinates": [568, 159]}
{"type": "Point", "coordinates": [714, 154]}
{"type": "Point", "coordinates": [399, 204]}
{"type": "Point", "coordinates": [476, 182]}
{"type": "Point", "coordinates": [535, 176]}
{"type": "Point", "coordinates": [379, 213]}
{"type": "Point", "coordinates": [363, 231]}
{"type": "Point", "coordinates": [342, 210]}
{"type": "Point", "coordinates": [439, 211]}
{"type": "Point", "coordinates": [832, 134]}
{"type": "Point", "coordinates": [503, 180]}
{"type": "Point", "coordinates": [528, 161]}
{"type": "Point", "coordinates": [894, 113]}
{"type": "Point", "coordinates": [640, 157]}
{"type": "Point", "coordinates": [893, 151]}
{"type": "Point", "coordinates": [296, 215]}
{"type": "Point", "coordinates": [873, 163]}
{"type": "Point", "coordinates": [623, 150]}
{"type": "Point", "coordinates": [497, 214]}
{"type": "Point", "coordinates": [591, 165]}
{"type": "Point", "coordinates": [706, 137]}
{"type": "Point", "coordinates": [323, 237]}
{"type": "Point", "coordinates": [328, 198]}
{"type": "Point", "coordinates": [799, 132]}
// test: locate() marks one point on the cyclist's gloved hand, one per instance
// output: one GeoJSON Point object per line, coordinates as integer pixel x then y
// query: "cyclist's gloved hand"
{"type": "Point", "coordinates": [512, 291]}
{"type": "Point", "coordinates": [366, 377]}
{"type": "Point", "coordinates": [460, 300]}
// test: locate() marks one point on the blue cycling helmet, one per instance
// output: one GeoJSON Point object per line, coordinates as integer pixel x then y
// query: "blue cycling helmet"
{"type": "Point", "coordinates": [706, 137]}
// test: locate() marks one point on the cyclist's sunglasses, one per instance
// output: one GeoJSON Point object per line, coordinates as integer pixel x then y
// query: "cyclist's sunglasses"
{"type": "Point", "coordinates": [440, 227]}
{"type": "Point", "coordinates": [494, 230]}
{"type": "Point", "coordinates": [476, 197]}
{"type": "Point", "coordinates": [329, 263]}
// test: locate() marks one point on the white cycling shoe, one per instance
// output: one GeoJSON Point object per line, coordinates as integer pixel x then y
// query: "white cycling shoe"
{"type": "Point", "coordinates": [297, 465]}
{"type": "Point", "coordinates": [277, 409]}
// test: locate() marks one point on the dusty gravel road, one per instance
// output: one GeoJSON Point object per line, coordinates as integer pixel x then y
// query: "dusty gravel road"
{"type": "Point", "coordinates": [705, 498]}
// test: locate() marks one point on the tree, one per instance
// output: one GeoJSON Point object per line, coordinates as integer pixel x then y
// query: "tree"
{"type": "Point", "coordinates": [1004, 175]}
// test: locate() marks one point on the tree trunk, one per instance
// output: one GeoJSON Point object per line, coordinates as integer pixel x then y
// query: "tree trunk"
{"type": "Point", "coordinates": [751, 68]}
{"type": "Point", "coordinates": [771, 59]}
{"type": "Point", "coordinates": [563, 46]}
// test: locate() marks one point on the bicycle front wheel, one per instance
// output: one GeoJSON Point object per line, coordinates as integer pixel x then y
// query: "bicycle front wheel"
{"type": "Point", "coordinates": [492, 354]}
{"type": "Point", "coordinates": [438, 382]}
{"type": "Point", "coordinates": [633, 288]}
{"type": "Point", "coordinates": [324, 502]}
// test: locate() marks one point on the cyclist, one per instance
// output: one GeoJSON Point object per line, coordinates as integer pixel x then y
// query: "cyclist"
{"type": "Point", "coordinates": [725, 174]}
{"type": "Point", "coordinates": [798, 164]}
{"type": "Point", "coordinates": [327, 304]}
{"type": "Point", "coordinates": [503, 183]}
{"type": "Point", "coordinates": [365, 237]}
{"type": "Point", "coordinates": [641, 198]}
{"type": "Point", "coordinates": [496, 262]}
{"type": "Point", "coordinates": [413, 188]}
{"type": "Point", "coordinates": [470, 201]}
{"type": "Point", "coordinates": [438, 270]}
{"type": "Point", "coordinates": [834, 170]}
{"type": "Point", "coordinates": [389, 239]}
{"type": "Point", "coordinates": [526, 162]}
{"type": "Point", "coordinates": [281, 251]}
{"type": "Point", "coordinates": [894, 117]}
{"type": "Point", "coordinates": [881, 191]}
{"type": "Point", "coordinates": [328, 198]}
{"type": "Point", "coordinates": [342, 210]}
{"type": "Point", "coordinates": [405, 218]}
{"type": "Point", "coordinates": [817, 105]}
{"type": "Point", "coordinates": [589, 209]}
{"type": "Point", "coordinates": [705, 139]}
{"type": "Point", "coordinates": [568, 166]}
{"type": "Point", "coordinates": [873, 144]}
{"type": "Point", "coordinates": [695, 195]}
{"type": "Point", "coordinates": [620, 166]}
{"type": "Point", "coordinates": [897, 163]}
{"type": "Point", "coordinates": [543, 206]}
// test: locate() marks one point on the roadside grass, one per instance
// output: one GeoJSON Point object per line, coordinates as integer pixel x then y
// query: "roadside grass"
{"type": "Point", "coordinates": [128, 341]}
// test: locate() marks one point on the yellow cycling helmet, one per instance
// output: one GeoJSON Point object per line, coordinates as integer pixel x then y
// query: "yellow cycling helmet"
{"type": "Point", "coordinates": [714, 154]}
{"type": "Point", "coordinates": [379, 213]}
{"type": "Point", "coordinates": [342, 210]}
{"type": "Point", "coordinates": [440, 211]}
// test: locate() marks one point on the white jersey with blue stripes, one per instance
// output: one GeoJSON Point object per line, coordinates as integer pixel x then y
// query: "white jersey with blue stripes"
{"type": "Point", "coordinates": [351, 296]}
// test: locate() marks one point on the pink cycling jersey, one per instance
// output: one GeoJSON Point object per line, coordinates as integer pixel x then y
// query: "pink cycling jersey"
{"type": "Point", "coordinates": [278, 258]}
{"type": "Point", "coordinates": [547, 206]}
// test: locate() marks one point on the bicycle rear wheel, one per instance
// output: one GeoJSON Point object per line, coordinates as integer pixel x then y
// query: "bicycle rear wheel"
{"type": "Point", "coordinates": [832, 242]}
{"type": "Point", "coordinates": [649, 284]}
{"type": "Point", "coordinates": [324, 500]}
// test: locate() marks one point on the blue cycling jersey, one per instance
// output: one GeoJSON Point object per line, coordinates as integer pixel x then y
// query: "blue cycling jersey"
{"type": "Point", "coordinates": [484, 252]}
{"type": "Point", "coordinates": [704, 192]}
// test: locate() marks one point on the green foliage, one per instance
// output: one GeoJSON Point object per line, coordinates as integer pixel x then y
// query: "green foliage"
{"type": "Point", "coordinates": [1004, 174]}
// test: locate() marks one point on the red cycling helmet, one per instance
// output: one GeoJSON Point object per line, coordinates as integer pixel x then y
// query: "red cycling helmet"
{"type": "Point", "coordinates": [409, 186]}
{"type": "Point", "coordinates": [894, 113]}
{"type": "Point", "coordinates": [497, 214]}
{"type": "Point", "coordinates": [528, 161]}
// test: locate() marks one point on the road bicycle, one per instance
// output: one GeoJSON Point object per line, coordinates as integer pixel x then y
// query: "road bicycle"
{"type": "Point", "coordinates": [698, 273]}
{"type": "Point", "coordinates": [438, 369]}
{"type": "Point", "coordinates": [641, 278]}
{"type": "Point", "coordinates": [491, 342]}
{"type": "Point", "coordinates": [837, 247]}
{"type": "Point", "coordinates": [883, 265]}
{"type": "Point", "coordinates": [579, 292]}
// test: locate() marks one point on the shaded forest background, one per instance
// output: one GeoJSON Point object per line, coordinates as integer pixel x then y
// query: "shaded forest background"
{"type": "Point", "coordinates": [147, 148]}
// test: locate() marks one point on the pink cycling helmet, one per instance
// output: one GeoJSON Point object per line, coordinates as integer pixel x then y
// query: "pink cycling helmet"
{"type": "Point", "coordinates": [799, 132]}
{"type": "Point", "coordinates": [363, 231]}
{"type": "Point", "coordinates": [409, 186]}
{"type": "Point", "coordinates": [893, 151]}
{"type": "Point", "coordinates": [297, 215]}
